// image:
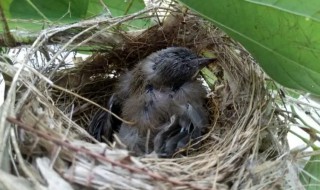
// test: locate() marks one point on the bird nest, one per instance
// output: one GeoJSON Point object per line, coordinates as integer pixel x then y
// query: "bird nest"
{"type": "Point", "coordinates": [48, 108]}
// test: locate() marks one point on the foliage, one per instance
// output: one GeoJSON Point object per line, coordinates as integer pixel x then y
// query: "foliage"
{"type": "Point", "coordinates": [282, 35]}
{"type": "Point", "coordinates": [38, 14]}
{"type": "Point", "coordinates": [310, 175]}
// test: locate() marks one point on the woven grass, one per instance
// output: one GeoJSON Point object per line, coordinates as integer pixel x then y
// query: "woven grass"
{"type": "Point", "coordinates": [50, 104]}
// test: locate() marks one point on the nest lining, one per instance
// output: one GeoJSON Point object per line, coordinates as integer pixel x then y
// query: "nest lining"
{"type": "Point", "coordinates": [245, 147]}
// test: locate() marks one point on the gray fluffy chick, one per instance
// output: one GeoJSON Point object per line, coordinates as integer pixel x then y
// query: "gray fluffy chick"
{"type": "Point", "coordinates": [164, 100]}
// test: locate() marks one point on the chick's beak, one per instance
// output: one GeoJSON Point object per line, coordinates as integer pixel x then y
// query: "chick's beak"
{"type": "Point", "coordinates": [202, 62]}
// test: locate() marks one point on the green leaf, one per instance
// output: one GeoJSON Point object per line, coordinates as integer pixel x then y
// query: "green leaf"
{"type": "Point", "coordinates": [209, 77]}
{"type": "Point", "coordinates": [122, 7]}
{"type": "Point", "coordinates": [283, 35]}
{"type": "Point", "coordinates": [35, 15]}
{"type": "Point", "coordinates": [310, 176]}
{"type": "Point", "coordinates": [48, 10]}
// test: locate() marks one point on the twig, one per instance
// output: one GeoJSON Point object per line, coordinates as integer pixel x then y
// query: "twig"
{"type": "Point", "coordinates": [21, 161]}
{"type": "Point", "coordinates": [295, 101]}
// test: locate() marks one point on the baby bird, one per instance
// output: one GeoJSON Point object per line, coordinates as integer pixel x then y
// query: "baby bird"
{"type": "Point", "coordinates": [163, 99]}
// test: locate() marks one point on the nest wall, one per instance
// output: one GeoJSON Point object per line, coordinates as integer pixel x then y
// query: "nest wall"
{"type": "Point", "coordinates": [245, 146]}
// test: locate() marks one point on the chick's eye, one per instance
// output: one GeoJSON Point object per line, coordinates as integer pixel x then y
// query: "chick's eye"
{"type": "Point", "coordinates": [186, 67]}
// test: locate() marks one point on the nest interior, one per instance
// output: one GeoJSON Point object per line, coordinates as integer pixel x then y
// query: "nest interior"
{"type": "Point", "coordinates": [245, 146]}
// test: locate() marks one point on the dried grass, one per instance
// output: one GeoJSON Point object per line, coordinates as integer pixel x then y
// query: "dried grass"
{"type": "Point", "coordinates": [48, 108]}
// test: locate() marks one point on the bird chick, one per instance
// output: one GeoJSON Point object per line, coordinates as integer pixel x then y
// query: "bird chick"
{"type": "Point", "coordinates": [163, 99]}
